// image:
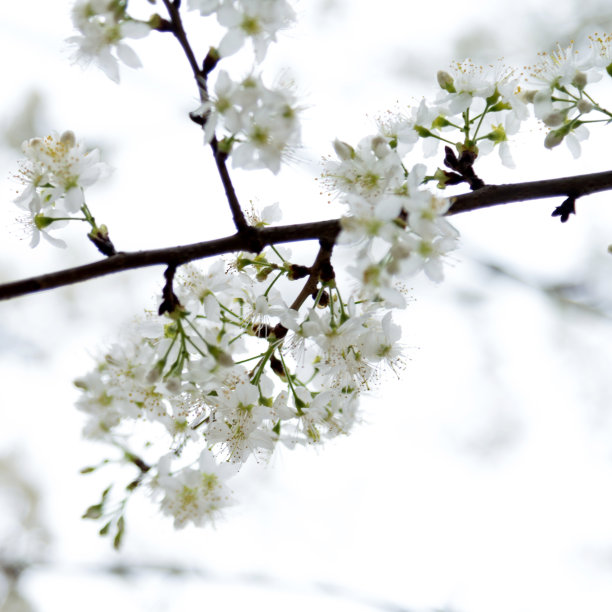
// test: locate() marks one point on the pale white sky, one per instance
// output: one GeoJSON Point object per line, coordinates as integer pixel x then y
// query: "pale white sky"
{"type": "Point", "coordinates": [481, 480]}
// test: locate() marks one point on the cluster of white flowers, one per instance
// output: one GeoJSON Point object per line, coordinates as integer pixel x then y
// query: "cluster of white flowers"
{"type": "Point", "coordinates": [235, 371]}
{"type": "Point", "coordinates": [55, 172]}
{"type": "Point", "coordinates": [480, 107]}
{"type": "Point", "coordinates": [257, 20]}
{"type": "Point", "coordinates": [259, 125]}
{"type": "Point", "coordinates": [559, 95]}
{"type": "Point", "coordinates": [399, 228]}
{"type": "Point", "coordinates": [103, 25]}
{"type": "Point", "coordinates": [477, 109]}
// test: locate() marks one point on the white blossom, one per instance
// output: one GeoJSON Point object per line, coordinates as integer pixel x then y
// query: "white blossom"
{"type": "Point", "coordinates": [194, 495]}
{"type": "Point", "coordinates": [257, 20]}
{"type": "Point", "coordinates": [103, 26]}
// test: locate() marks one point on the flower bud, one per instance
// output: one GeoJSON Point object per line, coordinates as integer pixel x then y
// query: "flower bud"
{"type": "Point", "coordinates": [343, 150]}
{"type": "Point", "coordinates": [445, 81]}
{"type": "Point", "coordinates": [422, 132]}
{"type": "Point", "coordinates": [554, 138]}
{"type": "Point", "coordinates": [493, 98]}
{"type": "Point", "coordinates": [173, 384]}
{"type": "Point", "coordinates": [580, 80]}
{"type": "Point", "coordinates": [439, 122]}
{"type": "Point", "coordinates": [40, 221]}
{"type": "Point", "coordinates": [554, 119]}
{"type": "Point", "coordinates": [154, 374]}
{"type": "Point", "coordinates": [498, 134]}
{"type": "Point", "coordinates": [68, 139]}
{"type": "Point", "coordinates": [380, 147]}
{"type": "Point", "coordinates": [584, 106]}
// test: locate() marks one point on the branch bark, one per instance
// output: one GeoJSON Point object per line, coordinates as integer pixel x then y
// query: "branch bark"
{"type": "Point", "coordinates": [174, 256]}
{"type": "Point", "coordinates": [491, 195]}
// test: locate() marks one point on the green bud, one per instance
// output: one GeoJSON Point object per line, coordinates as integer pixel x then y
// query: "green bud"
{"type": "Point", "coordinates": [609, 69]}
{"type": "Point", "coordinates": [440, 176]}
{"type": "Point", "coordinates": [40, 221]}
{"type": "Point", "coordinates": [422, 132]}
{"type": "Point", "coordinates": [105, 529]}
{"type": "Point", "coordinates": [93, 512]}
{"type": "Point", "coordinates": [119, 534]}
{"type": "Point", "coordinates": [446, 81]}
{"type": "Point", "coordinates": [468, 146]}
{"type": "Point", "coordinates": [493, 98]}
{"type": "Point", "coordinates": [225, 145]}
{"type": "Point", "coordinates": [439, 122]}
{"type": "Point", "coordinates": [500, 106]}
{"type": "Point", "coordinates": [498, 134]}
{"type": "Point", "coordinates": [155, 21]}
{"type": "Point", "coordinates": [80, 384]}
{"type": "Point", "coordinates": [263, 274]}
{"type": "Point", "coordinates": [344, 150]}
{"type": "Point", "coordinates": [554, 138]}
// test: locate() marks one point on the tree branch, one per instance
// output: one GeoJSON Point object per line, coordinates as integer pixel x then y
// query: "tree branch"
{"type": "Point", "coordinates": [491, 195]}
{"type": "Point", "coordinates": [220, 159]}
{"type": "Point", "coordinates": [176, 256]}
{"type": "Point", "coordinates": [181, 36]}
{"type": "Point", "coordinates": [201, 76]}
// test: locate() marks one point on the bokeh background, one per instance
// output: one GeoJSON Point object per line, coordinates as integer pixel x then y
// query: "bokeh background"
{"type": "Point", "coordinates": [480, 481]}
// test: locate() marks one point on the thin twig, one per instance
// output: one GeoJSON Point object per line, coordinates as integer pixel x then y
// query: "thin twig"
{"type": "Point", "coordinates": [201, 75]}
{"type": "Point", "coordinates": [232, 199]}
{"type": "Point", "coordinates": [181, 36]}
{"type": "Point", "coordinates": [323, 257]}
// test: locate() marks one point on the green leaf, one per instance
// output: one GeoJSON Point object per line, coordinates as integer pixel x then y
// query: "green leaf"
{"type": "Point", "coordinates": [94, 512]}
{"type": "Point", "coordinates": [119, 535]}
{"type": "Point", "coordinates": [104, 531]}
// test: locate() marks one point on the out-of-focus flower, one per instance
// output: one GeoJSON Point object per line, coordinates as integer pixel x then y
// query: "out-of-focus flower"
{"type": "Point", "coordinates": [103, 25]}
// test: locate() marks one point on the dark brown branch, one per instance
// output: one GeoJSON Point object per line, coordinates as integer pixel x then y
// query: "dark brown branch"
{"type": "Point", "coordinates": [181, 36]}
{"type": "Point", "coordinates": [490, 195]}
{"type": "Point", "coordinates": [232, 199]}
{"type": "Point", "coordinates": [173, 256]}
{"type": "Point", "coordinates": [201, 76]}
{"type": "Point", "coordinates": [170, 302]}
{"type": "Point", "coordinates": [323, 258]}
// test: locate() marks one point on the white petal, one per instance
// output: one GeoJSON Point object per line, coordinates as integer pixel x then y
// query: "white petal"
{"type": "Point", "coordinates": [134, 29]}
{"type": "Point", "coordinates": [56, 242]}
{"type": "Point", "coordinates": [506, 156]}
{"type": "Point", "coordinates": [73, 199]}
{"type": "Point", "coordinates": [109, 65]}
{"type": "Point", "coordinates": [573, 145]}
{"type": "Point", "coordinates": [231, 43]}
{"type": "Point", "coordinates": [128, 56]}
{"type": "Point", "coordinates": [228, 16]}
